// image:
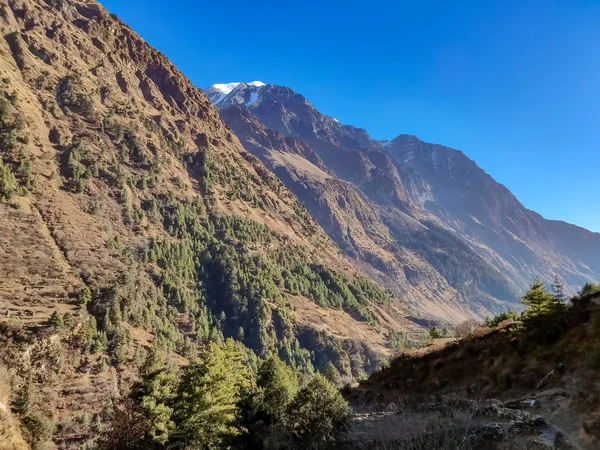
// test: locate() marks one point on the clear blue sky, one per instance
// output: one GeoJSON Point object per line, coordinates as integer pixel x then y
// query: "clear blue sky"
{"type": "Point", "coordinates": [515, 84]}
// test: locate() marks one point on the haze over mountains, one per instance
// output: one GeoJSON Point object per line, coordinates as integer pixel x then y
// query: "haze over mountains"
{"type": "Point", "coordinates": [422, 218]}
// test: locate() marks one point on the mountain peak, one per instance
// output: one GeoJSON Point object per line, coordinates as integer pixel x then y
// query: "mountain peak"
{"type": "Point", "coordinates": [226, 88]}
{"type": "Point", "coordinates": [219, 91]}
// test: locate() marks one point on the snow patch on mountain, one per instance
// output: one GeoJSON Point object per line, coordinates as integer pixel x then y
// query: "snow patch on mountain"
{"type": "Point", "coordinates": [225, 88]}
{"type": "Point", "coordinates": [217, 93]}
{"type": "Point", "coordinates": [253, 98]}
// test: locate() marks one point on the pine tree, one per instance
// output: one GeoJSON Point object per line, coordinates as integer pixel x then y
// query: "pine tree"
{"type": "Point", "coordinates": [8, 183]}
{"type": "Point", "coordinates": [208, 396]}
{"type": "Point", "coordinates": [316, 412]}
{"type": "Point", "coordinates": [588, 289]}
{"type": "Point", "coordinates": [330, 372]}
{"type": "Point", "coordinates": [56, 320]}
{"type": "Point", "coordinates": [154, 394]}
{"type": "Point", "coordinates": [544, 316]}
{"type": "Point", "coordinates": [278, 384]}
{"type": "Point", "coordinates": [558, 289]}
{"type": "Point", "coordinates": [68, 320]}
{"type": "Point", "coordinates": [85, 296]}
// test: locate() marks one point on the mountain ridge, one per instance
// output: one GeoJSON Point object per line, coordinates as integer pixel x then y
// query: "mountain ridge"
{"type": "Point", "coordinates": [393, 178]}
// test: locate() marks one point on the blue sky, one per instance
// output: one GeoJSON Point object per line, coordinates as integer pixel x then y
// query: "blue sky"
{"type": "Point", "coordinates": [515, 84]}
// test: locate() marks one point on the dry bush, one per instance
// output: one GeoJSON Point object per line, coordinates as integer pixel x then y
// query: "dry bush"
{"type": "Point", "coordinates": [466, 329]}
{"type": "Point", "coordinates": [10, 434]}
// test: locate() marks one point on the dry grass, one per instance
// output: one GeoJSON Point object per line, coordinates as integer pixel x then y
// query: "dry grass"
{"type": "Point", "coordinates": [10, 434]}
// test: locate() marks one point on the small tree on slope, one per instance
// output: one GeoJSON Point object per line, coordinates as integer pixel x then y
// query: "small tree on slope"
{"type": "Point", "coordinates": [543, 319]}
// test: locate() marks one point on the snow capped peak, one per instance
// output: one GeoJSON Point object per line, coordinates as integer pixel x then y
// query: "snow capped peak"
{"type": "Point", "coordinates": [218, 93]}
{"type": "Point", "coordinates": [225, 88]}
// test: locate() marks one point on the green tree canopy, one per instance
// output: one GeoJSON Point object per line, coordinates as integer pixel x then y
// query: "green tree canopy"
{"type": "Point", "coordinates": [545, 313]}
{"type": "Point", "coordinates": [278, 384]}
{"type": "Point", "coordinates": [316, 411]}
{"type": "Point", "coordinates": [209, 393]}
{"type": "Point", "coordinates": [154, 394]}
{"type": "Point", "coordinates": [589, 288]}
{"type": "Point", "coordinates": [331, 372]}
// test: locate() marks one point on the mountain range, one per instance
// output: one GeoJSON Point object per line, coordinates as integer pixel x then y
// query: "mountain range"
{"type": "Point", "coordinates": [143, 216]}
{"type": "Point", "coordinates": [423, 219]}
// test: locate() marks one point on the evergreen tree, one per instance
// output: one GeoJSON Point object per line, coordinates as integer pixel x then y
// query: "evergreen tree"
{"type": "Point", "coordinates": [85, 296]}
{"type": "Point", "coordinates": [544, 316]}
{"type": "Point", "coordinates": [8, 183]}
{"type": "Point", "coordinates": [316, 412]}
{"type": "Point", "coordinates": [154, 394]}
{"type": "Point", "coordinates": [510, 315]}
{"type": "Point", "coordinates": [588, 289]}
{"type": "Point", "coordinates": [278, 385]}
{"type": "Point", "coordinates": [68, 320]}
{"type": "Point", "coordinates": [209, 392]}
{"type": "Point", "coordinates": [56, 320]}
{"type": "Point", "coordinates": [330, 372]}
{"type": "Point", "coordinates": [558, 289]}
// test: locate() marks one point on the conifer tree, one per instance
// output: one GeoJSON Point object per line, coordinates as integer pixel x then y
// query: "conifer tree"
{"type": "Point", "coordinates": [56, 320]}
{"type": "Point", "coordinates": [558, 289]}
{"type": "Point", "coordinates": [278, 385]}
{"type": "Point", "coordinates": [154, 394]}
{"type": "Point", "coordinates": [208, 396]}
{"type": "Point", "coordinates": [316, 411]}
{"type": "Point", "coordinates": [330, 372]}
{"type": "Point", "coordinates": [544, 316]}
{"type": "Point", "coordinates": [589, 288]}
{"type": "Point", "coordinates": [8, 183]}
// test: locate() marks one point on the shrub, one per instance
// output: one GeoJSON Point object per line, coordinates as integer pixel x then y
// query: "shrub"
{"type": "Point", "coordinates": [492, 322]}
{"type": "Point", "coordinates": [56, 321]}
{"type": "Point", "coordinates": [465, 329]}
{"type": "Point", "coordinates": [54, 136]}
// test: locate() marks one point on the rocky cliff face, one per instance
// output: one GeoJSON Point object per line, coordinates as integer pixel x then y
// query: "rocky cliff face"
{"type": "Point", "coordinates": [406, 197]}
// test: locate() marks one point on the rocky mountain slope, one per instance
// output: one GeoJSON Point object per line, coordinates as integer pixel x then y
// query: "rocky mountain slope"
{"type": "Point", "coordinates": [423, 219]}
{"type": "Point", "coordinates": [520, 242]}
{"type": "Point", "coordinates": [131, 216]}
{"type": "Point", "coordinates": [496, 388]}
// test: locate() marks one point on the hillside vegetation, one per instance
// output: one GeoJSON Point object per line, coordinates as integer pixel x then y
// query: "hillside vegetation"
{"type": "Point", "coordinates": [523, 381]}
{"type": "Point", "coordinates": [132, 219]}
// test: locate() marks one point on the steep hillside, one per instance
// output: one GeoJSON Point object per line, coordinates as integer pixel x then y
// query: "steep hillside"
{"type": "Point", "coordinates": [130, 217]}
{"type": "Point", "coordinates": [365, 200]}
{"type": "Point", "coordinates": [519, 242]}
{"type": "Point", "coordinates": [499, 388]}
{"type": "Point", "coordinates": [350, 218]}
{"type": "Point", "coordinates": [422, 218]}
